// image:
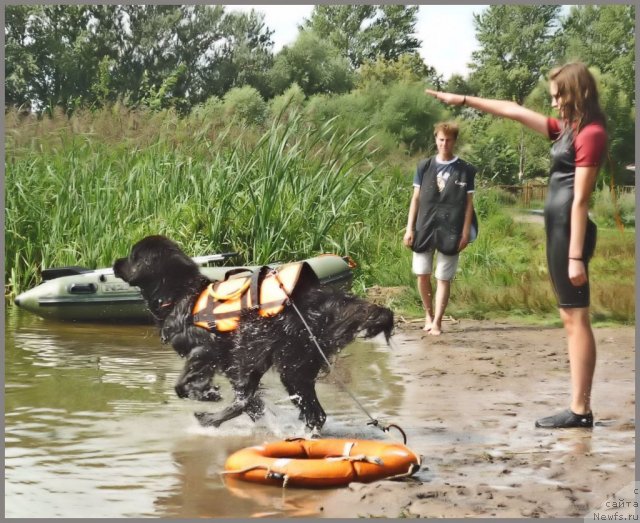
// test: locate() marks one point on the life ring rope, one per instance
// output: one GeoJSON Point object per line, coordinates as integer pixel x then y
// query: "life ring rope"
{"type": "Point", "coordinates": [374, 422]}
{"type": "Point", "coordinates": [365, 459]}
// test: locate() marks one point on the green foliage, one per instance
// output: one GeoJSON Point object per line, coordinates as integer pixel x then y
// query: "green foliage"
{"type": "Point", "coordinates": [619, 108]}
{"type": "Point", "coordinates": [516, 45]}
{"type": "Point", "coordinates": [602, 36]}
{"type": "Point", "coordinates": [489, 201]}
{"type": "Point", "coordinates": [407, 115]}
{"type": "Point", "coordinates": [365, 32]}
{"type": "Point", "coordinates": [406, 68]}
{"type": "Point", "coordinates": [398, 114]}
{"type": "Point", "coordinates": [291, 101]}
{"type": "Point", "coordinates": [209, 112]}
{"type": "Point", "coordinates": [74, 199]}
{"type": "Point", "coordinates": [163, 97]}
{"type": "Point", "coordinates": [246, 104]}
{"type": "Point", "coordinates": [607, 207]}
{"type": "Point", "coordinates": [500, 137]}
{"type": "Point", "coordinates": [314, 64]}
{"type": "Point", "coordinates": [516, 49]}
{"type": "Point", "coordinates": [84, 55]}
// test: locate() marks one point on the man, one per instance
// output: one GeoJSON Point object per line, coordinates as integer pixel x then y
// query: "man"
{"type": "Point", "coordinates": [441, 218]}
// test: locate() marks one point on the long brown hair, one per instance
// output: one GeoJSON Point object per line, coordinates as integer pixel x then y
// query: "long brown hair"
{"type": "Point", "coordinates": [579, 92]}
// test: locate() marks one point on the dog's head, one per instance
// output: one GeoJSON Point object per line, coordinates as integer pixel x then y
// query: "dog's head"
{"type": "Point", "coordinates": [159, 268]}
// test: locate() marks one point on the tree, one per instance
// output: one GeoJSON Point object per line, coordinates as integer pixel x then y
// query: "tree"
{"type": "Point", "coordinates": [243, 56]}
{"type": "Point", "coordinates": [314, 64]}
{"type": "Point", "coordinates": [54, 53]}
{"type": "Point", "coordinates": [204, 50]}
{"type": "Point", "coordinates": [405, 68]}
{"type": "Point", "coordinates": [516, 49]}
{"type": "Point", "coordinates": [20, 67]}
{"type": "Point", "coordinates": [160, 55]}
{"type": "Point", "coordinates": [602, 36]}
{"type": "Point", "coordinates": [364, 32]}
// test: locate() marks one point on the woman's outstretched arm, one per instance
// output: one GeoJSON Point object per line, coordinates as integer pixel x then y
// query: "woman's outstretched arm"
{"type": "Point", "coordinates": [504, 108]}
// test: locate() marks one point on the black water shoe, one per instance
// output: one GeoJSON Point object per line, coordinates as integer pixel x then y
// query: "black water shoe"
{"type": "Point", "coordinates": [566, 419]}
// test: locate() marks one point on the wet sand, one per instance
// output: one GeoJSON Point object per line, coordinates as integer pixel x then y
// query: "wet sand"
{"type": "Point", "coordinates": [471, 399]}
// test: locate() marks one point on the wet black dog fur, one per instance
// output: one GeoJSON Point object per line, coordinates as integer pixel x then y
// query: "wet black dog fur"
{"type": "Point", "coordinates": [170, 282]}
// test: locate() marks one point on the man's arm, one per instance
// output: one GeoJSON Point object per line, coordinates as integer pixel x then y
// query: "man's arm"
{"type": "Point", "coordinates": [466, 227]}
{"type": "Point", "coordinates": [413, 214]}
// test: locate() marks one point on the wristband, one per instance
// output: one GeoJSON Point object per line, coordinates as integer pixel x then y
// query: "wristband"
{"type": "Point", "coordinates": [577, 259]}
{"type": "Point", "coordinates": [464, 100]}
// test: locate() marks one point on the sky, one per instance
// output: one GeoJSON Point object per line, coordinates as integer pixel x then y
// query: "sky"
{"type": "Point", "coordinates": [446, 31]}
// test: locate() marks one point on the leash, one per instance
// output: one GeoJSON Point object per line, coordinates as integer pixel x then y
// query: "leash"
{"type": "Point", "coordinates": [373, 421]}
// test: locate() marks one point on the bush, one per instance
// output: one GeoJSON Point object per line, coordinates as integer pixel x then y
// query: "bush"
{"type": "Point", "coordinates": [292, 100]}
{"type": "Point", "coordinates": [490, 201]}
{"type": "Point", "coordinates": [245, 103]}
{"type": "Point", "coordinates": [408, 115]}
{"type": "Point", "coordinates": [605, 208]}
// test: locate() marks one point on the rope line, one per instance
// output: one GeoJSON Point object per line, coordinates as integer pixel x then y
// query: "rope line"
{"type": "Point", "coordinates": [374, 422]}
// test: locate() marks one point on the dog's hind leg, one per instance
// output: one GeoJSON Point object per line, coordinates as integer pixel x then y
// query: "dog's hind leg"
{"type": "Point", "coordinates": [195, 380]}
{"type": "Point", "coordinates": [255, 407]}
{"type": "Point", "coordinates": [301, 390]}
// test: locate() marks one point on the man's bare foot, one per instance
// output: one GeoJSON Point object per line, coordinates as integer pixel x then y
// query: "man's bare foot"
{"type": "Point", "coordinates": [435, 330]}
{"type": "Point", "coordinates": [428, 324]}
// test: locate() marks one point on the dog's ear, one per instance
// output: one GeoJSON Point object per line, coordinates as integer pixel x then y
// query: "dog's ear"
{"type": "Point", "coordinates": [178, 264]}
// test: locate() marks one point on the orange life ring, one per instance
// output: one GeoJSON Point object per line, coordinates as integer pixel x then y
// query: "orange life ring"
{"type": "Point", "coordinates": [321, 462]}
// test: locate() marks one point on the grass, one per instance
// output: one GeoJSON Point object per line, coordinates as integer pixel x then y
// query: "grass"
{"type": "Point", "coordinates": [80, 191]}
{"type": "Point", "coordinates": [72, 199]}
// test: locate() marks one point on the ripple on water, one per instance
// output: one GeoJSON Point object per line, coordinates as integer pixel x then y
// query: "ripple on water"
{"type": "Point", "coordinates": [94, 429]}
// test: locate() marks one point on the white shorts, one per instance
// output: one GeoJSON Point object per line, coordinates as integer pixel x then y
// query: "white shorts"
{"type": "Point", "coordinates": [446, 265]}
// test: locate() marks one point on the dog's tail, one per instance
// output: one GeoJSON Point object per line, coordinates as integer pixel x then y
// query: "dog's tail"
{"type": "Point", "coordinates": [379, 319]}
{"type": "Point", "coordinates": [353, 316]}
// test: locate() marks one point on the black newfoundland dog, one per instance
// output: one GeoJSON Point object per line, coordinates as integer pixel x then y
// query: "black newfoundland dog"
{"type": "Point", "coordinates": [171, 283]}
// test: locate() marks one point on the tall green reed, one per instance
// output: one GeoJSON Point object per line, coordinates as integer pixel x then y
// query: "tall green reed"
{"type": "Point", "coordinates": [72, 199]}
{"type": "Point", "coordinates": [81, 191]}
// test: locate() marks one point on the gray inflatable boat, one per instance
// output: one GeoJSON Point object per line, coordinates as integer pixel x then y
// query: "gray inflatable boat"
{"type": "Point", "coordinates": [78, 294]}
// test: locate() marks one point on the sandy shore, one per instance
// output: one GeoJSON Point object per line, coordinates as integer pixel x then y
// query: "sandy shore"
{"type": "Point", "coordinates": [470, 403]}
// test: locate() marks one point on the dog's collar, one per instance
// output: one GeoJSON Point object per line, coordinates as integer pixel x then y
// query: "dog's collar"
{"type": "Point", "coordinates": [160, 306]}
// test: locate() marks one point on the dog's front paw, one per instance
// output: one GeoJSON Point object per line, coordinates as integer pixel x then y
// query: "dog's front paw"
{"type": "Point", "coordinates": [211, 395]}
{"type": "Point", "coordinates": [192, 392]}
{"type": "Point", "coordinates": [206, 419]}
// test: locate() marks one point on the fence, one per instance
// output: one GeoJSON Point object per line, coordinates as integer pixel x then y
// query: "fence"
{"type": "Point", "coordinates": [529, 195]}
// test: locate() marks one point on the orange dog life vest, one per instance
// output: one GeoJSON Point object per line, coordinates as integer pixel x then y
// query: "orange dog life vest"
{"type": "Point", "coordinates": [219, 306]}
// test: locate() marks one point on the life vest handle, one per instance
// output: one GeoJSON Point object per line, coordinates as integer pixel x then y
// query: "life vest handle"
{"type": "Point", "coordinates": [233, 272]}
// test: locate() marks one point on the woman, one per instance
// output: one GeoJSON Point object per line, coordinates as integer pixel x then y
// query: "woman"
{"type": "Point", "coordinates": [579, 141]}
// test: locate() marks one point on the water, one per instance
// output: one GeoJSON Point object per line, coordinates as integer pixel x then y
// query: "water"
{"type": "Point", "coordinates": [94, 429]}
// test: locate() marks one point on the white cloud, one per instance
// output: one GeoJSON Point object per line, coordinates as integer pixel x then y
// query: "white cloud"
{"type": "Point", "coordinates": [448, 36]}
{"type": "Point", "coordinates": [283, 19]}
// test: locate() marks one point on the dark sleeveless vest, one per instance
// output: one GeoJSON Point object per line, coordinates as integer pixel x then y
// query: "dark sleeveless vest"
{"type": "Point", "coordinates": [441, 214]}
